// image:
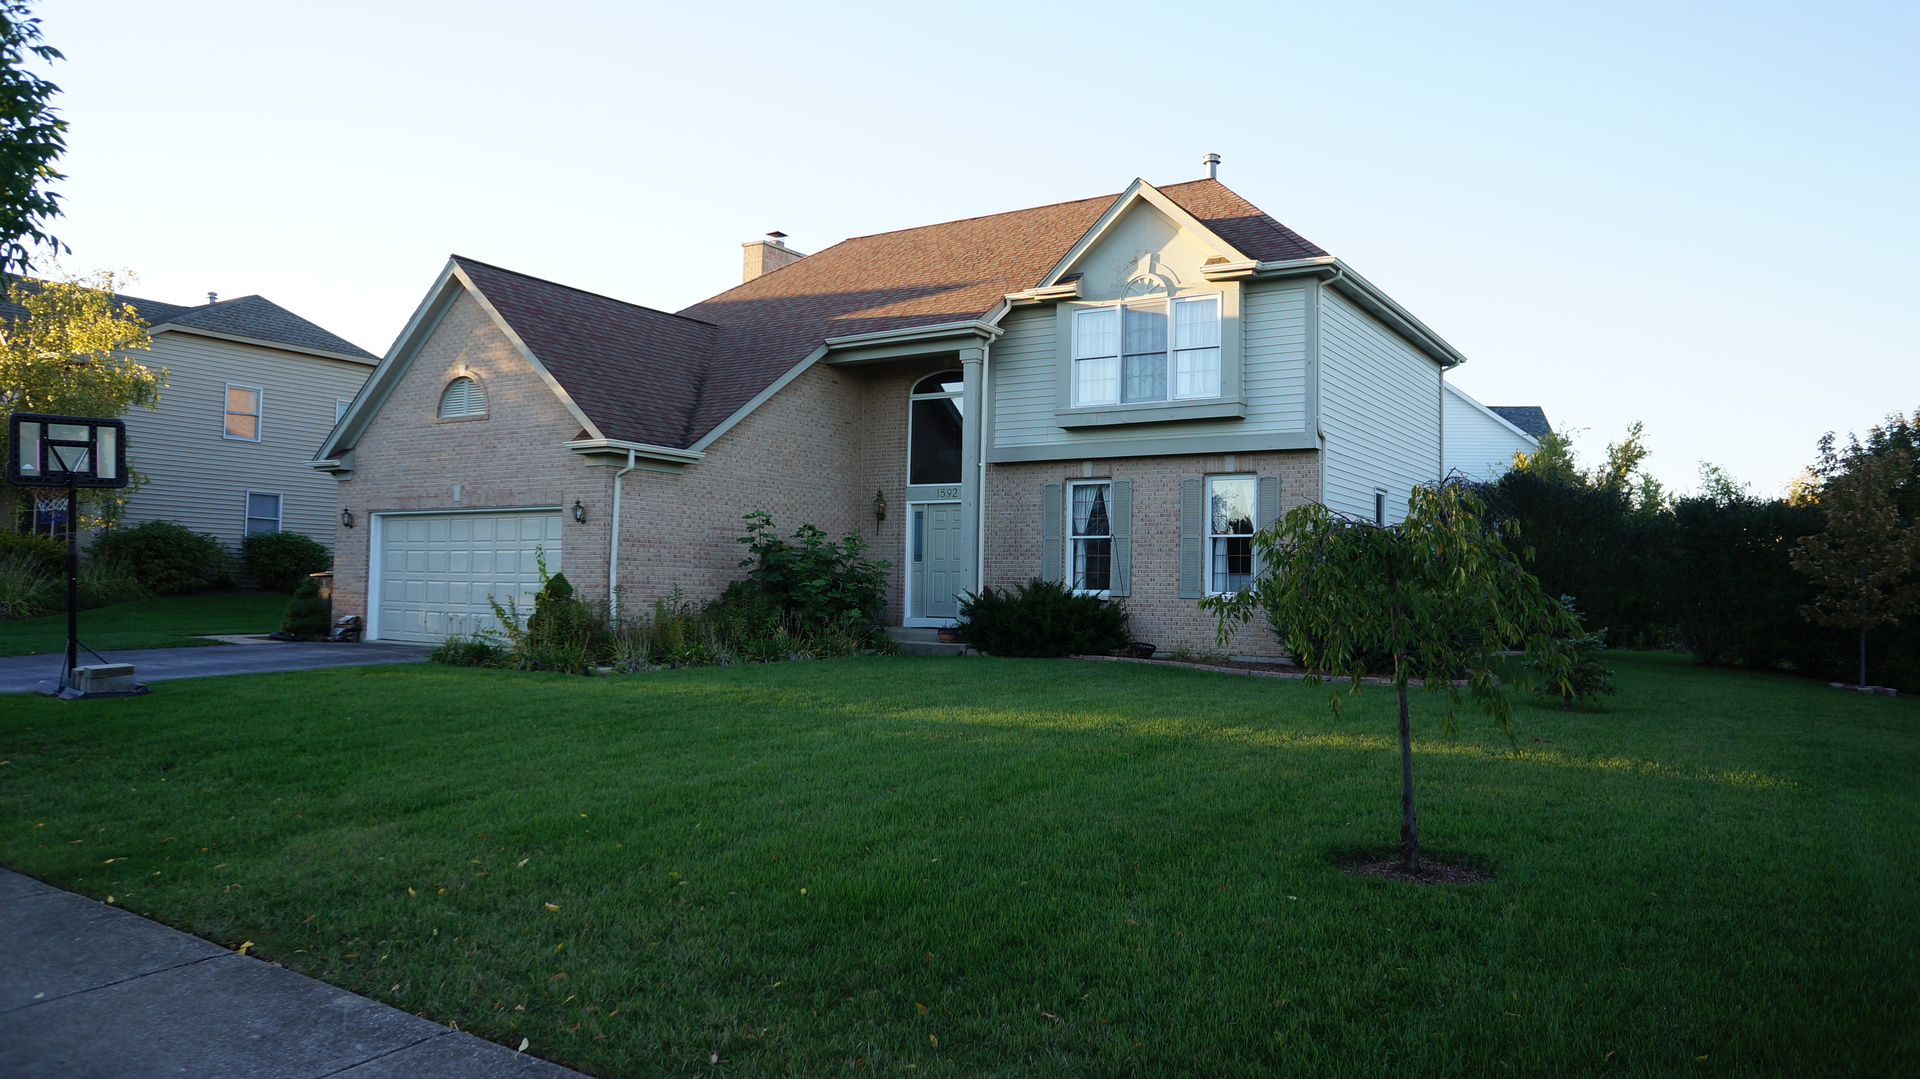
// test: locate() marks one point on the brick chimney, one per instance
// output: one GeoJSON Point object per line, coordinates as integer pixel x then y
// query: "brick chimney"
{"type": "Point", "coordinates": [765, 256]}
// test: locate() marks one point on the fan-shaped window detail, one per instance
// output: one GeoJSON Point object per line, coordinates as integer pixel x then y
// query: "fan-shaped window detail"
{"type": "Point", "coordinates": [464, 397]}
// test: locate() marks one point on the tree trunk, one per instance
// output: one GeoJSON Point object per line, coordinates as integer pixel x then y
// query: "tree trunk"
{"type": "Point", "coordinates": [1409, 826]}
{"type": "Point", "coordinates": [1863, 657]}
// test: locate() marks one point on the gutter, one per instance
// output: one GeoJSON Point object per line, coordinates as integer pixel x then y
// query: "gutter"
{"type": "Point", "coordinates": [646, 450]}
{"type": "Point", "coordinates": [915, 333]}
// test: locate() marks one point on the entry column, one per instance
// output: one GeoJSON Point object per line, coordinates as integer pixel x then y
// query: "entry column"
{"type": "Point", "coordinates": [972, 423]}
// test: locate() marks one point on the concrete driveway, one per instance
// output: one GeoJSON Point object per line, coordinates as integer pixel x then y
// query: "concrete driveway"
{"type": "Point", "coordinates": [20, 674]}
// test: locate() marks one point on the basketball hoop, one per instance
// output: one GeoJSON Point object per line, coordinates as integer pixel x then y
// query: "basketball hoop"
{"type": "Point", "coordinates": [72, 452]}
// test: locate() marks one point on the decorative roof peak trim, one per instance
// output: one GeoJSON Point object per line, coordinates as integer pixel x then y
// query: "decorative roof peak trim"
{"type": "Point", "coordinates": [1137, 191]}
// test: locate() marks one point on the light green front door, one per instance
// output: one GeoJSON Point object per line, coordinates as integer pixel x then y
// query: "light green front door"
{"type": "Point", "coordinates": [937, 560]}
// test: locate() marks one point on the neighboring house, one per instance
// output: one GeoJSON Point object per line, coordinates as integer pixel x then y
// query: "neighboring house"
{"type": "Point", "coordinates": [1115, 392]}
{"type": "Point", "coordinates": [1481, 439]}
{"type": "Point", "coordinates": [251, 389]}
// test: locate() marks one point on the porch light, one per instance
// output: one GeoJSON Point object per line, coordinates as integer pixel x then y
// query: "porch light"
{"type": "Point", "coordinates": [346, 518]}
{"type": "Point", "coordinates": [579, 512]}
{"type": "Point", "coordinates": [879, 506]}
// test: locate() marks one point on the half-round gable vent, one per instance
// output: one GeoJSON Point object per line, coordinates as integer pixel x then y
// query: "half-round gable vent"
{"type": "Point", "coordinates": [464, 397]}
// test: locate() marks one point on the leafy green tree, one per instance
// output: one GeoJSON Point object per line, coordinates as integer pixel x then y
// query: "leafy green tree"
{"type": "Point", "coordinates": [1442, 594]}
{"type": "Point", "coordinates": [68, 348]}
{"type": "Point", "coordinates": [1862, 568]}
{"type": "Point", "coordinates": [32, 136]}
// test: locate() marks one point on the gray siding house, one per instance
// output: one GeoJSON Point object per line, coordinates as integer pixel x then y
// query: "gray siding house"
{"type": "Point", "coordinates": [1114, 392]}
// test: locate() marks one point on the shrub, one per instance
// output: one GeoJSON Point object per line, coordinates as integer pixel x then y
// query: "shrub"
{"type": "Point", "coordinates": [308, 616]}
{"type": "Point", "coordinates": [1586, 678]}
{"type": "Point", "coordinates": [26, 588]}
{"type": "Point", "coordinates": [1042, 618]}
{"type": "Point", "coordinates": [819, 584]}
{"type": "Point", "coordinates": [50, 554]}
{"type": "Point", "coordinates": [166, 557]}
{"type": "Point", "coordinates": [279, 561]}
{"type": "Point", "coordinates": [105, 581]}
{"type": "Point", "coordinates": [471, 650]}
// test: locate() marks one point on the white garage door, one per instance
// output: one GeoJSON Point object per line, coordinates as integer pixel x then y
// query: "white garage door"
{"type": "Point", "coordinates": [438, 570]}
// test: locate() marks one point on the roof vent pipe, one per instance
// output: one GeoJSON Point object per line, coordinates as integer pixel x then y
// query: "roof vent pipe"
{"type": "Point", "coordinates": [1212, 162]}
{"type": "Point", "coordinates": [213, 297]}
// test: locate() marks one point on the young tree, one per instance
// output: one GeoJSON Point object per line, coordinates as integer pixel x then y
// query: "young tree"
{"type": "Point", "coordinates": [1441, 593]}
{"type": "Point", "coordinates": [31, 137]}
{"type": "Point", "coordinates": [1862, 568]}
{"type": "Point", "coordinates": [65, 348]}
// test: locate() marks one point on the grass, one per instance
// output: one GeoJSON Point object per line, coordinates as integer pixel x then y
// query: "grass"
{"type": "Point", "coordinates": [1018, 868]}
{"type": "Point", "coordinates": [169, 622]}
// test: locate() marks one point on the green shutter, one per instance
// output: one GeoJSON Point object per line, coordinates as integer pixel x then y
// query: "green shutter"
{"type": "Point", "coordinates": [1120, 514]}
{"type": "Point", "coordinates": [1053, 512]}
{"type": "Point", "coordinates": [1266, 510]}
{"type": "Point", "coordinates": [1193, 536]}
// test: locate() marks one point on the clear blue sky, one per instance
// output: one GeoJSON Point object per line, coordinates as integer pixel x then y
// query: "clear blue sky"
{"type": "Point", "coordinates": [1701, 216]}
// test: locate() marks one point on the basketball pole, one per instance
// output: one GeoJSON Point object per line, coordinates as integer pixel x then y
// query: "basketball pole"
{"type": "Point", "coordinates": [73, 583]}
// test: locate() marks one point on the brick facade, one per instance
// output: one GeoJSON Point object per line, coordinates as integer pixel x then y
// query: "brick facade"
{"type": "Point", "coordinates": [1158, 613]}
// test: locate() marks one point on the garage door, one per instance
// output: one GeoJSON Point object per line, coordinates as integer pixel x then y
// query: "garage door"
{"type": "Point", "coordinates": [438, 570]}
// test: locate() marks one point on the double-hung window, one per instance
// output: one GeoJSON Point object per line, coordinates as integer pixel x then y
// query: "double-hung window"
{"type": "Point", "coordinates": [1230, 510]}
{"type": "Point", "coordinates": [1147, 350]}
{"type": "Point", "coordinates": [263, 512]}
{"type": "Point", "coordinates": [243, 413]}
{"type": "Point", "coordinates": [1091, 534]}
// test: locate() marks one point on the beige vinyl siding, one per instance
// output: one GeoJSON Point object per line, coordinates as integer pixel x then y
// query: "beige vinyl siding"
{"type": "Point", "coordinates": [1028, 360]}
{"type": "Point", "coordinates": [200, 478]}
{"type": "Point", "coordinates": [1480, 445]}
{"type": "Point", "coordinates": [1379, 409]}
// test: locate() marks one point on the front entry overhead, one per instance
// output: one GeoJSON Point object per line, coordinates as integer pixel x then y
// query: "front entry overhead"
{"type": "Point", "coordinates": [437, 571]}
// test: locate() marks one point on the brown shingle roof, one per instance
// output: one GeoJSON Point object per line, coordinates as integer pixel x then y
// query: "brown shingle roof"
{"type": "Point", "coordinates": [647, 376]}
{"type": "Point", "coordinates": [634, 371]}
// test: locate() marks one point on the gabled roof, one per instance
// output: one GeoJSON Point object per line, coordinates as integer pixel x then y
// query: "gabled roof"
{"type": "Point", "coordinates": [667, 380]}
{"type": "Point", "coordinates": [926, 276]}
{"type": "Point", "coordinates": [253, 317]}
{"type": "Point", "coordinates": [1529, 418]}
{"type": "Point", "coordinates": [636, 372]}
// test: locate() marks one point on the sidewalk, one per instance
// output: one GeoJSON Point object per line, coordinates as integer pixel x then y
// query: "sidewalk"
{"type": "Point", "coordinates": [20, 674]}
{"type": "Point", "coordinates": [89, 991]}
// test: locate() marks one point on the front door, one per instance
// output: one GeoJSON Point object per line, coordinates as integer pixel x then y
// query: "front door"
{"type": "Point", "coordinates": [937, 565]}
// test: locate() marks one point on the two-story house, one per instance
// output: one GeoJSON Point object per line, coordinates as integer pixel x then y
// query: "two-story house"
{"type": "Point", "coordinates": [1114, 392]}
{"type": "Point", "coordinates": [251, 389]}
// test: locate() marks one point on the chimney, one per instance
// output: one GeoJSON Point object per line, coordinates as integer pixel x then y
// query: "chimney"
{"type": "Point", "coordinates": [765, 256]}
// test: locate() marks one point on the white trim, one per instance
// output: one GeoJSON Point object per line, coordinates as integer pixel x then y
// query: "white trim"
{"type": "Point", "coordinates": [246, 511]}
{"type": "Point", "coordinates": [1068, 536]}
{"type": "Point", "coordinates": [1206, 520]}
{"type": "Point", "coordinates": [376, 534]}
{"type": "Point", "coordinates": [1138, 191]}
{"type": "Point", "coordinates": [907, 617]}
{"type": "Point", "coordinates": [259, 412]}
{"type": "Point", "coordinates": [1119, 356]}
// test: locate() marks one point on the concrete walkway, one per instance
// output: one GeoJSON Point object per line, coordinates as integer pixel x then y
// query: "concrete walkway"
{"type": "Point", "coordinates": [20, 674]}
{"type": "Point", "coordinates": [89, 991]}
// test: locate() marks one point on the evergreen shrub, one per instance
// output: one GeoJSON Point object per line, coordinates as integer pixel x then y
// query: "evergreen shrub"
{"type": "Point", "coordinates": [167, 557]}
{"type": "Point", "coordinates": [279, 561]}
{"type": "Point", "coordinates": [1042, 619]}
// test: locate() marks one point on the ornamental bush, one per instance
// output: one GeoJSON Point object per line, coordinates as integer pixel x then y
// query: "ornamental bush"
{"type": "Point", "coordinates": [167, 557]}
{"type": "Point", "coordinates": [279, 561]}
{"type": "Point", "coordinates": [42, 552]}
{"type": "Point", "coordinates": [819, 584]}
{"type": "Point", "coordinates": [308, 616]}
{"type": "Point", "coordinates": [1042, 619]}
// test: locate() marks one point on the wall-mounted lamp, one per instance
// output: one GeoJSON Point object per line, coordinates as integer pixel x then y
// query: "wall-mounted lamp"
{"type": "Point", "coordinates": [346, 518]}
{"type": "Point", "coordinates": [879, 506]}
{"type": "Point", "coordinates": [579, 512]}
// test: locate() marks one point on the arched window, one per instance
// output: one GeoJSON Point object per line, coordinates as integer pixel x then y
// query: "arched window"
{"type": "Point", "coordinates": [933, 429]}
{"type": "Point", "coordinates": [463, 397]}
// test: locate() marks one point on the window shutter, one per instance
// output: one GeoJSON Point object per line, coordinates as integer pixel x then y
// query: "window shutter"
{"type": "Point", "coordinates": [1053, 512]}
{"type": "Point", "coordinates": [1266, 510]}
{"type": "Point", "coordinates": [1120, 519]}
{"type": "Point", "coordinates": [1193, 536]}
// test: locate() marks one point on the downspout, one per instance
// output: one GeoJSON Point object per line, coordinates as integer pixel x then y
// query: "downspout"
{"type": "Point", "coordinates": [613, 543]}
{"type": "Point", "coordinates": [980, 529]}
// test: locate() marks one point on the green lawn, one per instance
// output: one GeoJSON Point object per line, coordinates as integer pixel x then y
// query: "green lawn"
{"type": "Point", "coordinates": [172, 622]}
{"type": "Point", "coordinates": [1006, 867]}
